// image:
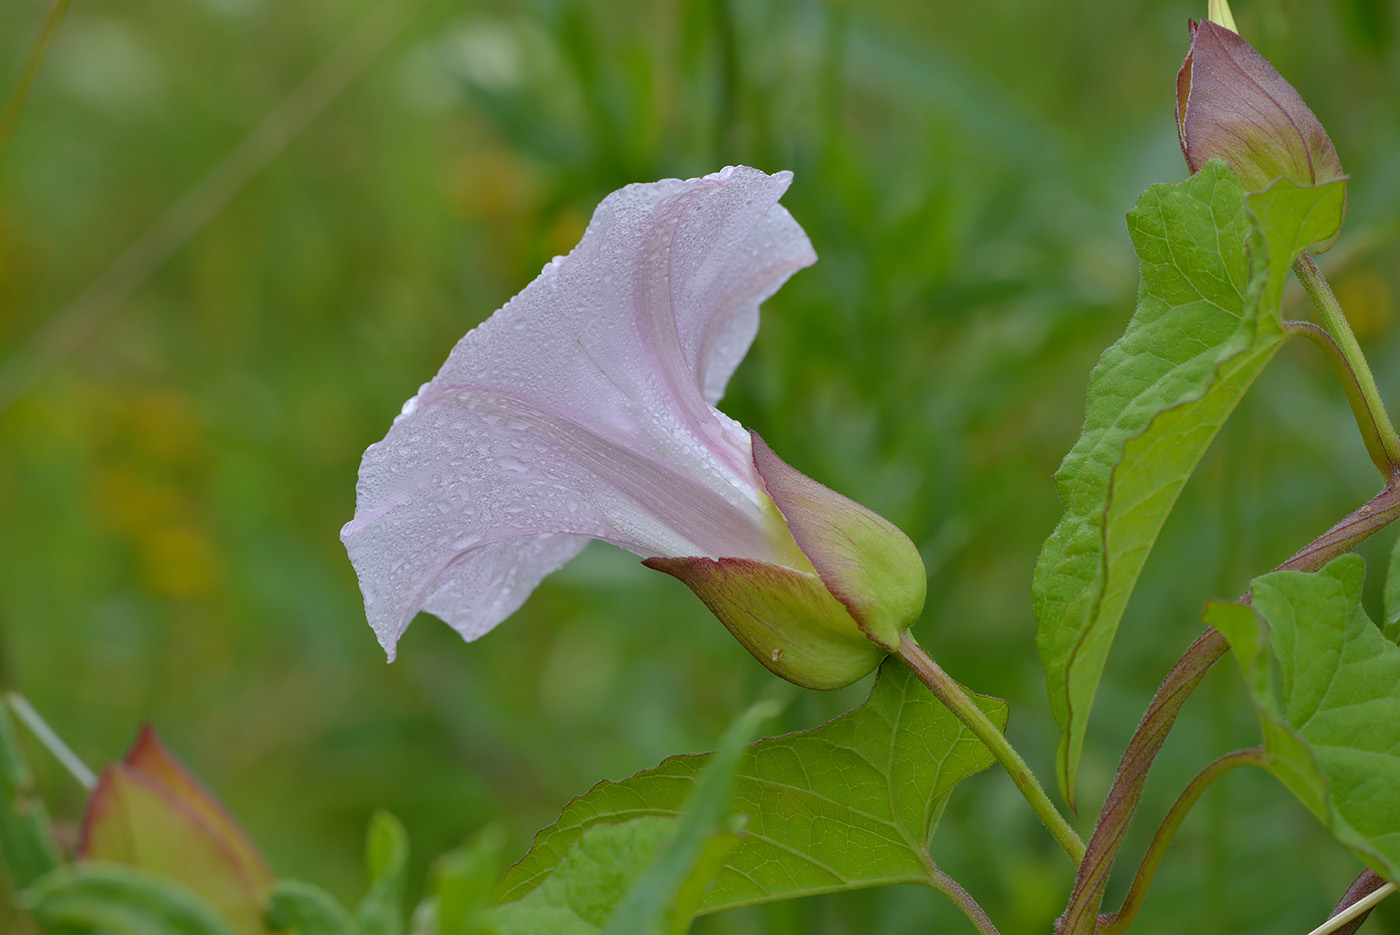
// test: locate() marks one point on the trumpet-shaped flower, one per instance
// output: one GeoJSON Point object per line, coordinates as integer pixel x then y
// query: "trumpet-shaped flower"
{"type": "Point", "coordinates": [584, 409]}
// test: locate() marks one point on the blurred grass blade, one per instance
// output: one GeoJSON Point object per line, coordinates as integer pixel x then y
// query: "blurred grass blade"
{"type": "Point", "coordinates": [75, 323]}
{"type": "Point", "coordinates": [47, 736]}
{"type": "Point", "coordinates": [31, 69]}
{"type": "Point", "coordinates": [117, 900]}
{"type": "Point", "coordinates": [27, 849]}
{"type": "Point", "coordinates": [644, 876]}
{"type": "Point", "coordinates": [382, 912]}
{"type": "Point", "coordinates": [307, 910]}
{"type": "Point", "coordinates": [652, 905]}
{"type": "Point", "coordinates": [587, 884]}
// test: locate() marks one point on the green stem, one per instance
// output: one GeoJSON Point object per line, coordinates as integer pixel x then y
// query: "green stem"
{"type": "Point", "coordinates": [1351, 385]}
{"type": "Point", "coordinates": [948, 691]}
{"type": "Point", "coordinates": [1371, 417]}
{"type": "Point", "coordinates": [1119, 921]}
{"type": "Point", "coordinates": [31, 68]}
{"type": "Point", "coordinates": [942, 883]}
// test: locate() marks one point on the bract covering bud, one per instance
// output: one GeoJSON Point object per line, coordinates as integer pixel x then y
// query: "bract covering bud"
{"type": "Point", "coordinates": [826, 624]}
{"type": "Point", "coordinates": [149, 812]}
{"type": "Point", "coordinates": [1231, 104]}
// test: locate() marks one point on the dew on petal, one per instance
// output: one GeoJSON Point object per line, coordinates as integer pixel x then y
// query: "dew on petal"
{"type": "Point", "coordinates": [564, 418]}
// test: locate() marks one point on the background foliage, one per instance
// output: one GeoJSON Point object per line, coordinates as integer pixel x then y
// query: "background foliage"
{"type": "Point", "coordinates": [172, 488]}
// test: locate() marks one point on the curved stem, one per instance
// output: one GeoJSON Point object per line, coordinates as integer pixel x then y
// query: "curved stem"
{"type": "Point", "coordinates": [948, 691]}
{"type": "Point", "coordinates": [31, 68]}
{"type": "Point", "coordinates": [1360, 408]}
{"type": "Point", "coordinates": [1376, 429]}
{"type": "Point", "coordinates": [1081, 915]}
{"type": "Point", "coordinates": [1357, 526]}
{"type": "Point", "coordinates": [1119, 921]}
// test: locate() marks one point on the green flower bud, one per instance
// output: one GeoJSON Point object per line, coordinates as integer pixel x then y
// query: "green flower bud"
{"type": "Point", "coordinates": [828, 617]}
{"type": "Point", "coordinates": [1231, 104]}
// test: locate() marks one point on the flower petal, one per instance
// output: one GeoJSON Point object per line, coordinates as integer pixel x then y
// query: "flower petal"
{"type": "Point", "coordinates": [582, 409]}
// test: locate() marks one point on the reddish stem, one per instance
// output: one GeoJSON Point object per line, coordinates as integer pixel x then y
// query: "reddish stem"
{"type": "Point", "coordinates": [1081, 915]}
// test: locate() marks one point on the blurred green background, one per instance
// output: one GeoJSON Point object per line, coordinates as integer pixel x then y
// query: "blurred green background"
{"type": "Point", "coordinates": [178, 451]}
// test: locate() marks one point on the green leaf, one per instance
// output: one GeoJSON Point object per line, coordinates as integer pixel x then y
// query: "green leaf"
{"type": "Point", "coordinates": [1326, 685]}
{"type": "Point", "coordinates": [27, 850]}
{"type": "Point", "coordinates": [1391, 628]}
{"type": "Point", "coordinates": [304, 909]}
{"type": "Point", "coordinates": [587, 883]}
{"type": "Point", "coordinates": [113, 899]}
{"type": "Point", "coordinates": [847, 805]}
{"type": "Point", "coordinates": [382, 912]}
{"type": "Point", "coordinates": [1214, 261]}
{"type": "Point", "coordinates": [644, 876]}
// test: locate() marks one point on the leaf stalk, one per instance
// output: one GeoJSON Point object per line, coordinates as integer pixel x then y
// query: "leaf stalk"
{"type": "Point", "coordinates": [950, 888]}
{"type": "Point", "coordinates": [956, 700]}
{"type": "Point", "coordinates": [1377, 431]}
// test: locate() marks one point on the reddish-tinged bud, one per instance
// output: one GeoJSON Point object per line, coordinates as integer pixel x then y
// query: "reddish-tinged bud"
{"type": "Point", "coordinates": [1231, 104]}
{"type": "Point", "coordinates": [149, 812]}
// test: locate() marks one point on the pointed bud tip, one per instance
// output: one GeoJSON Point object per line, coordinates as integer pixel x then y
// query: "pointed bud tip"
{"type": "Point", "coordinates": [1231, 104]}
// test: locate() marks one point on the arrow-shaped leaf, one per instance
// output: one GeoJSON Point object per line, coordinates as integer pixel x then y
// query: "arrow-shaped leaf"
{"type": "Point", "coordinates": [1214, 261]}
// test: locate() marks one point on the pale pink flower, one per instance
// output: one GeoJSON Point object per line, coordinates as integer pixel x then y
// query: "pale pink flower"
{"type": "Point", "coordinates": [585, 409]}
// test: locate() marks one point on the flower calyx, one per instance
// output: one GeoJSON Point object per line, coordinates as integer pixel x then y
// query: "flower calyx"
{"type": "Point", "coordinates": [830, 616]}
